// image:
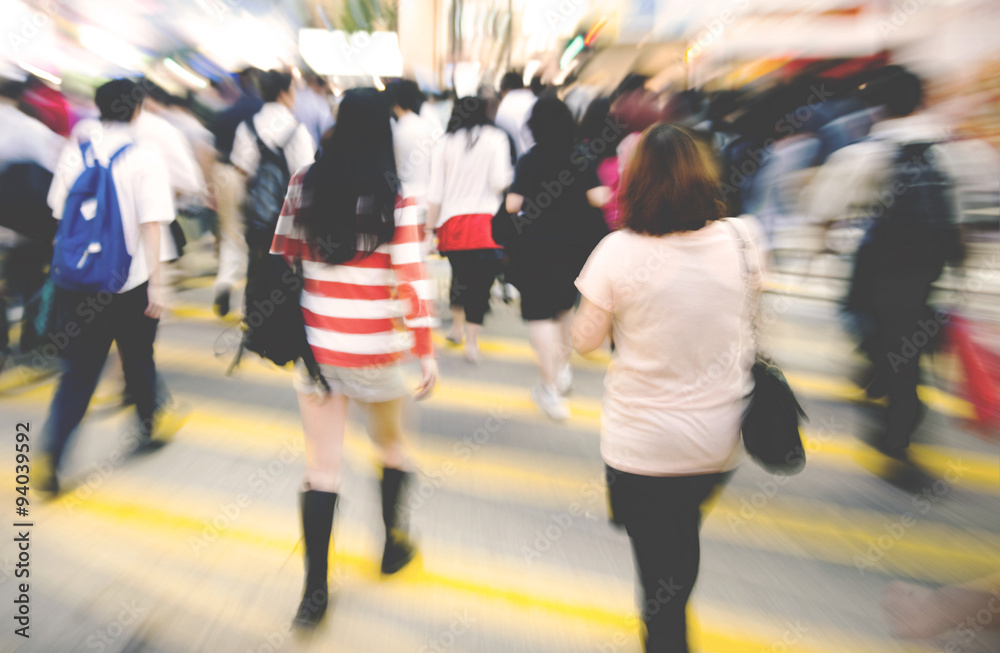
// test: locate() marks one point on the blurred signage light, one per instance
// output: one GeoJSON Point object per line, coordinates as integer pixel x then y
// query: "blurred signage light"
{"type": "Point", "coordinates": [110, 47]}
{"type": "Point", "coordinates": [358, 54]}
{"type": "Point", "coordinates": [594, 31]}
{"type": "Point", "coordinates": [38, 72]}
{"type": "Point", "coordinates": [575, 47]}
{"type": "Point", "coordinates": [184, 74]}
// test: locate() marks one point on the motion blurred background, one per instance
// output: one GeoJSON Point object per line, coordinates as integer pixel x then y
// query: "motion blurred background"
{"type": "Point", "coordinates": [164, 555]}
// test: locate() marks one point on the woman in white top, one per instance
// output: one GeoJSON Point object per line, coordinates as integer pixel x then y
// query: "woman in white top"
{"type": "Point", "coordinates": [670, 289]}
{"type": "Point", "coordinates": [470, 170]}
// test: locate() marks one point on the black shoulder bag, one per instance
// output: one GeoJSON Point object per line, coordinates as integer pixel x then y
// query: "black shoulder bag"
{"type": "Point", "coordinates": [771, 420]}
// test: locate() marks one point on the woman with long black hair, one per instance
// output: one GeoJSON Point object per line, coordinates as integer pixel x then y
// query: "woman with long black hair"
{"type": "Point", "coordinates": [361, 262]}
{"type": "Point", "coordinates": [470, 169]}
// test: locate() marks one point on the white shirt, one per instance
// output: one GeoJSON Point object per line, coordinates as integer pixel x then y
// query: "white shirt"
{"type": "Point", "coordinates": [413, 138]}
{"type": "Point", "coordinates": [512, 117]}
{"type": "Point", "coordinates": [469, 171]}
{"type": "Point", "coordinates": [141, 183]}
{"type": "Point", "coordinates": [278, 128]}
{"type": "Point", "coordinates": [673, 395]}
{"type": "Point", "coordinates": [24, 139]}
{"type": "Point", "coordinates": [313, 110]}
{"type": "Point", "coordinates": [156, 133]}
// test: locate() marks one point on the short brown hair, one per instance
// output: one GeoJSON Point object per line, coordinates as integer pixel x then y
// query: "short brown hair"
{"type": "Point", "coordinates": [670, 184]}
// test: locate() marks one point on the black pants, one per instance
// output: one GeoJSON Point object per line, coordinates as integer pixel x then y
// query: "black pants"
{"type": "Point", "coordinates": [22, 269]}
{"type": "Point", "coordinates": [662, 515]}
{"type": "Point", "coordinates": [905, 328]}
{"type": "Point", "coordinates": [88, 324]}
{"type": "Point", "coordinates": [472, 275]}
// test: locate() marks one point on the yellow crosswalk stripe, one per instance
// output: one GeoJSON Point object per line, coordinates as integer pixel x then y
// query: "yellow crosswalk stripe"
{"type": "Point", "coordinates": [979, 472]}
{"type": "Point", "coordinates": [807, 385]}
{"type": "Point", "coordinates": [500, 590]}
{"type": "Point", "coordinates": [767, 517]}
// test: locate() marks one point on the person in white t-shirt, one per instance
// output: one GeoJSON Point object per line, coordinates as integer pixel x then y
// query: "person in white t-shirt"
{"type": "Point", "coordinates": [671, 291]}
{"type": "Point", "coordinates": [413, 139]}
{"type": "Point", "coordinates": [515, 108]}
{"type": "Point", "coordinates": [90, 322]}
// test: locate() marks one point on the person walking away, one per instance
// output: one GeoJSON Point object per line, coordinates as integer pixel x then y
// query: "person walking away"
{"type": "Point", "coordinates": [127, 306]}
{"type": "Point", "coordinates": [552, 202]}
{"type": "Point", "coordinates": [910, 240]}
{"type": "Point", "coordinates": [469, 172]}
{"type": "Point", "coordinates": [227, 188]}
{"type": "Point", "coordinates": [600, 135]}
{"type": "Point", "coordinates": [361, 261]}
{"type": "Point", "coordinates": [23, 140]}
{"type": "Point", "coordinates": [514, 110]}
{"type": "Point", "coordinates": [669, 286]}
{"type": "Point", "coordinates": [268, 149]}
{"type": "Point", "coordinates": [312, 106]}
{"type": "Point", "coordinates": [413, 138]}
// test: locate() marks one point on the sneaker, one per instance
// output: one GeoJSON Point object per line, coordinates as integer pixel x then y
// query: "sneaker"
{"type": "Point", "coordinates": [166, 424]}
{"type": "Point", "coordinates": [44, 479]}
{"type": "Point", "coordinates": [564, 380]}
{"type": "Point", "coordinates": [550, 402]}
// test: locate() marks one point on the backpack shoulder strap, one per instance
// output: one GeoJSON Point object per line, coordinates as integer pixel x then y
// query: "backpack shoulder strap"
{"type": "Point", "coordinates": [118, 153]}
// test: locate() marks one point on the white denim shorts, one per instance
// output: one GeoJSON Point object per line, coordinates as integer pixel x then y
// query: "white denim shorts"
{"type": "Point", "coordinates": [365, 384]}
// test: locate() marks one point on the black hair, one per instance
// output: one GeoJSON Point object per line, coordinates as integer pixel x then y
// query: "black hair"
{"type": "Point", "coordinates": [12, 89]}
{"type": "Point", "coordinates": [406, 95]}
{"type": "Point", "coordinates": [349, 194]}
{"type": "Point", "coordinates": [595, 119]}
{"type": "Point", "coordinates": [273, 83]}
{"type": "Point", "coordinates": [632, 82]}
{"type": "Point", "coordinates": [119, 99]}
{"type": "Point", "coordinates": [552, 125]}
{"type": "Point", "coordinates": [899, 90]}
{"type": "Point", "coordinates": [537, 87]}
{"type": "Point", "coordinates": [467, 113]}
{"type": "Point", "coordinates": [511, 82]}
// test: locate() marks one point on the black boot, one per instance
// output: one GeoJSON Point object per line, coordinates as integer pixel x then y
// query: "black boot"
{"type": "Point", "coordinates": [398, 550]}
{"type": "Point", "coordinates": [317, 524]}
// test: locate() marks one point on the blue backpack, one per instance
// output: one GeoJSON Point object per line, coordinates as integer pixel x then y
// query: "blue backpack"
{"type": "Point", "coordinates": [90, 252]}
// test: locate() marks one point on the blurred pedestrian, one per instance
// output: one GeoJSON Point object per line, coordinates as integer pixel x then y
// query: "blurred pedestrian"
{"type": "Point", "coordinates": [470, 170]}
{"type": "Point", "coordinates": [600, 135]}
{"type": "Point", "coordinates": [413, 138]}
{"type": "Point", "coordinates": [228, 187]}
{"type": "Point", "coordinates": [312, 106]}
{"type": "Point", "coordinates": [24, 142]}
{"type": "Point", "coordinates": [552, 201]}
{"type": "Point", "coordinates": [268, 149]}
{"type": "Point", "coordinates": [670, 287]}
{"type": "Point", "coordinates": [361, 259]}
{"type": "Point", "coordinates": [515, 107]}
{"type": "Point", "coordinates": [129, 315]}
{"type": "Point", "coordinates": [898, 183]}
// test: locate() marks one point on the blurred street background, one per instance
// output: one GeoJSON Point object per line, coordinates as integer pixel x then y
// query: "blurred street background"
{"type": "Point", "coordinates": [197, 547]}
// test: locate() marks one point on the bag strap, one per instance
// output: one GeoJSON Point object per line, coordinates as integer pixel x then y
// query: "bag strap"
{"type": "Point", "coordinates": [747, 250]}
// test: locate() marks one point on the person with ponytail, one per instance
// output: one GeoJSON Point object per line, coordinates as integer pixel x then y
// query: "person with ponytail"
{"type": "Point", "coordinates": [360, 254]}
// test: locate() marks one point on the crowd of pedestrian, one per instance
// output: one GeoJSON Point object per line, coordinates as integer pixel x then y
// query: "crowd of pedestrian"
{"type": "Point", "coordinates": [616, 230]}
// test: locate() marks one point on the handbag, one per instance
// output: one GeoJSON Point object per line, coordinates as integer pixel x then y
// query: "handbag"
{"type": "Point", "coordinates": [770, 426]}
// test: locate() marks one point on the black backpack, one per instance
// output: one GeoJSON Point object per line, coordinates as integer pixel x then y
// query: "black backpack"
{"type": "Point", "coordinates": [266, 189]}
{"type": "Point", "coordinates": [918, 230]}
{"type": "Point", "coordinates": [274, 328]}
{"type": "Point", "coordinates": [24, 189]}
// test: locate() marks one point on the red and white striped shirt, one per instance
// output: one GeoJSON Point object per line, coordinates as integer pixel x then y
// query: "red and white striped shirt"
{"type": "Point", "coordinates": [353, 310]}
